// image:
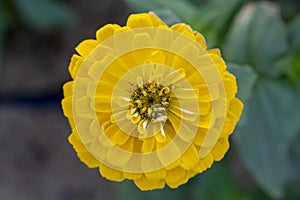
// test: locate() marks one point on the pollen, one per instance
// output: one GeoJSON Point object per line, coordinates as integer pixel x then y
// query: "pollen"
{"type": "Point", "coordinates": [149, 103]}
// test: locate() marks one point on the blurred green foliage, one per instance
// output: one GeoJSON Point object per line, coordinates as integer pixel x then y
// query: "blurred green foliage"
{"type": "Point", "coordinates": [260, 41]}
{"type": "Point", "coordinates": [3, 26]}
{"type": "Point", "coordinates": [43, 16]}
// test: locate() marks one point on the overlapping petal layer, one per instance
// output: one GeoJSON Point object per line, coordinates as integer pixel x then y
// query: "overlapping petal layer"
{"type": "Point", "coordinates": [150, 103]}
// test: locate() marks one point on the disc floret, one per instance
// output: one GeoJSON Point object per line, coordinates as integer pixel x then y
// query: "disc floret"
{"type": "Point", "coordinates": [149, 103]}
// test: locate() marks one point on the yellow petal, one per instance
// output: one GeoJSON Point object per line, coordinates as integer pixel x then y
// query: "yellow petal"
{"type": "Point", "coordinates": [200, 39]}
{"type": "Point", "coordinates": [148, 145]}
{"type": "Point", "coordinates": [184, 114]}
{"type": "Point", "coordinates": [81, 85]}
{"type": "Point", "coordinates": [75, 141]}
{"type": "Point", "coordinates": [183, 129]}
{"type": "Point", "coordinates": [106, 31]}
{"type": "Point", "coordinates": [117, 157]}
{"type": "Point", "coordinates": [86, 46]}
{"type": "Point", "coordinates": [230, 85]}
{"type": "Point", "coordinates": [211, 74]}
{"type": "Point", "coordinates": [132, 176]}
{"type": "Point", "coordinates": [208, 92]}
{"type": "Point", "coordinates": [124, 39]}
{"type": "Point", "coordinates": [158, 57]}
{"type": "Point", "coordinates": [173, 165]}
{"type": "Point", "coordinates": [235, 108]}
{"type": "Point", "coordinates": [220, 149]}
{"type": "Point", "coordinates": [219, 107]}
{"type": "Point", "coordinates": [82, 153]}
{"type": "Point", "coordinates": [199, 138]}
{"type": "Point", "coordinates": [84, 125]}
{"type": "Point", "coordinates": [159, 137]}
{"type": "Point", "coordinates": [207, 121]}
{"type": "Point", "coordinates": [67, 106]}
{"type": "Point", "coordinates": [163, 39]}
{"type": "Point", "coordinates": [146, 184]}
{"type": "Point", "coordinates": [176, 177]}
{"type": "Point", "coordinates": [211, 138]}
{"type": "Point", "coordinates": [116, 135]}
{"type": "Point", "coordinates": [204, 60]}
{"type": "Point", "coordinates": [215, 51]}
{"type": "Point", "coordinates": [169, 153]}
{"type": "Point", "coordinates": [148, 162]}
{"type": "Point", "coordinates": [110, 173]}
{"type": "Point", "coordinates": [190, 112]}
{"type": "Point", "coordinates": [177, 61]}
{"type": "Point", "coordinates": [191, 173]}
{"type": "Point", "coordinates": [185, 93]}
{"type": "Point", "coordinates": [83, 108]}
{"type": "Point", "coordinates": [95, 127]}
{"type": "Point", "coordinates": [190, 51]}
{"type": "Point", "coordinates": [218, 60]}
{"type": "Point", "coordinates": [233, 115]}
{"type": "Point", "coordinates": [190, 158]}
{"type": "Point", "coordinates": [68, 89]}
{"type": "Point", "coordinates": [118, 67]}
{"type": "Point", "coordinates": [119, 117]}
{"type": "Point", "coordinates": [156, 21]}
{"type": "Point", "coordinates": [200, 167]}
{"type": "Point", "coordinates": [208, 160]}
{"type": "Point", "coordinates": [142, 40]}
{"type": "Point", "coordinates": [183, 28]}
{"type": "Point", "coordinates": [74, 65]}
{"type": "Point", "coordinates": [94, 71]}
{"type": "Point", "coordinates": [228, 127]}
{"type": "Point", "coordinates": [174, 76]}
{"type": "Point", "coordinates": [102, 104]}
{"type": "Point", "coordinates": [156, 175]}
{"type": "Point", "coordinates": [139, 21]}
{"type": "Point", "coordinates": [195, 78]}
{"type": "Point", "coordinates": [104, 89]}
{"type": "Point", "coordinates": [204, 107]}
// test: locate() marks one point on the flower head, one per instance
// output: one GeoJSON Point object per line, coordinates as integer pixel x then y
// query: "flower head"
{"type": "Point", "coordinates": [150, 103]}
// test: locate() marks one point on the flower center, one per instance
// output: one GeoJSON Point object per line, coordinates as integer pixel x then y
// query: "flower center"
{"type": "Point", "coordinates": [148, 103]}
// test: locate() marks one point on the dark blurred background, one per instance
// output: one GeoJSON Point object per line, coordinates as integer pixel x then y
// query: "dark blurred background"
{"type": "Point", "coordinates": [37, 39]}
{"type": "Point", "coordinates": [36, 160]}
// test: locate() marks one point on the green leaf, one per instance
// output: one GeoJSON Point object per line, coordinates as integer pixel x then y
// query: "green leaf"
{"type": "Point", "coordinates": [263, 142]}
{"type": "Point", "coordinates": [236, 45]}
{"type": "Point", "coordinates": [168, 16]}
{"type": "Point", "coordinates": [289, 9]}
{"type": "Point", "coordinates": [2, 30]}
{"type": "Point", "coordinates": [43, 15]}
{"type": "Point", "coordinates": [294, 173]}
{"type": "Point", "coordinates": [245, 78]}
{"type": "Point", "coordinates": [214, 18]}
{"type": "Point", "coordinates": [3, 27]}
{"type": "Point", "coordinates": [216, 183]}
{"type": "Point", "coordinates": [292, 58]}
{"type": "Point", "coordinates": [258, 37]}
{"type": "Point", "coordinates": [198, 2]}
{"type": "Point", "coordinates": [294, 33]}
{"type": "Point", "coordinates": [182, 8]}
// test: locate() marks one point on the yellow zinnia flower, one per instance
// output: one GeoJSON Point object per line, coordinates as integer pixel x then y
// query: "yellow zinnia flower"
{"type": "Point", "coordinates": [150, 103]}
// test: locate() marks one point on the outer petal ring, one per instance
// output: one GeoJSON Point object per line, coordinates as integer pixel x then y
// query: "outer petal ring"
{"type": "Point", "coordinates": [104, 55]}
